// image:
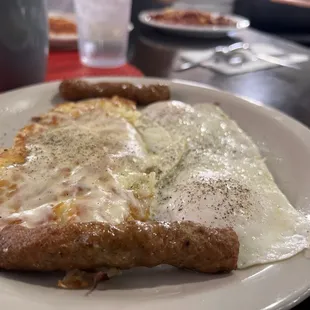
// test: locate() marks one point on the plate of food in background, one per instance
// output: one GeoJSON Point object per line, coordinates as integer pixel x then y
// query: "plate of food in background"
{"type": "Point", "coordinates": [63, 30]}
{"type": "Point", "coordinates": [193, 22]}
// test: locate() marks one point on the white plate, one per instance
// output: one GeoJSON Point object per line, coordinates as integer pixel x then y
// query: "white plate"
{"type": "Point", "coordinates": [195, 31]}
{"type": "Point", "coordinates": [286, 145]}
{"type": "Point", "coordinates": [67, 40]}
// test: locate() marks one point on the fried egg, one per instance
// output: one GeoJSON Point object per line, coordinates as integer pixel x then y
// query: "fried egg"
{"type": "Point", "coordinates": [217, 177]}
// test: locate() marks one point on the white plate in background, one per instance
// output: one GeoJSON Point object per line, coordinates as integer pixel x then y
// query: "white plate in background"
{"type": "Point", "coordinates": [194, 31]}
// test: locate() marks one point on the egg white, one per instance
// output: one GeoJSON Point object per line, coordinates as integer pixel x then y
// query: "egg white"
{"type": "Point", "coordinates": [216, 176]}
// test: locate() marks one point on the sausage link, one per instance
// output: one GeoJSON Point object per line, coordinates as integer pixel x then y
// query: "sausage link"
{"type": "Point", "coordinates": [131, 244]}
{"type": "Point", "coordinates": [74, 90]}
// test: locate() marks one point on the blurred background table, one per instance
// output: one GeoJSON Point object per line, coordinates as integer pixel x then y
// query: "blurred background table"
{"type": "Point", "coordinates": [66, 65]}
{"type": "Point", "coordinates": [285, 89]}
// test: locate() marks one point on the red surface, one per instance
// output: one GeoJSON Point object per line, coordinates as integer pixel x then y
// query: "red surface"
{"type": "Point", "coordinates": [66, 64]}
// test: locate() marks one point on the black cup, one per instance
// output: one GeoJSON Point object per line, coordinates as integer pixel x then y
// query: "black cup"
{"type": "Point", "coordinates": [23, 42]}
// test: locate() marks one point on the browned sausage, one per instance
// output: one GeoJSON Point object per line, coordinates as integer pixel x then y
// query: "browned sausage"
{"type": "Point", "coordinates": [74, 90]}
{"type": "Point", "coordinates": [94, 245]}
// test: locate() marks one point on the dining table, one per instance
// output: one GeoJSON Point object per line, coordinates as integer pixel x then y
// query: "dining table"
{"type": "Point", "coordinates": [156, 54]}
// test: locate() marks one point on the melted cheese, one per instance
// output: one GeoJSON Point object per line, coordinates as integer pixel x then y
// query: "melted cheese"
{"type": "Point", "coordinates": [89, 168]}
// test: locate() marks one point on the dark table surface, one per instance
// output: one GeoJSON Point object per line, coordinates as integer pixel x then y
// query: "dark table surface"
{"type": "Point", "coordinates": [285, 89]}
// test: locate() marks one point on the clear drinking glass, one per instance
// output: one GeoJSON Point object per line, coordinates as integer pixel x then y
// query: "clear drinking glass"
{"type": "Point", "coordinates": [103, 31]}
